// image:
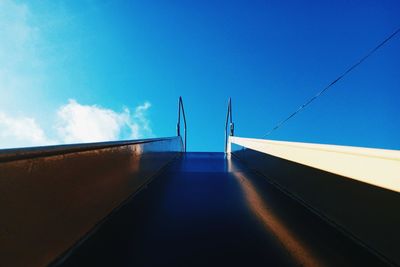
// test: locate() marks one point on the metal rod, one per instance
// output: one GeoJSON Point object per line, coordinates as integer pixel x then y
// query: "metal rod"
{"type": "Point", "coordinates": [181, 108]}
{"type": "Point", "coordinates": [231, 124]}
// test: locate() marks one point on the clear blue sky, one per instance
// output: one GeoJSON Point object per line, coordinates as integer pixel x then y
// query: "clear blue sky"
{"type": "Point", "coordinates": [269, 56]}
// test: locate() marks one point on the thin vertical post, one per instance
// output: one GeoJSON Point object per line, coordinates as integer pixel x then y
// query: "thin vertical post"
{"type": "Point", "coordinates": [231, 124]}
{"type": "Point", "coordinates": [178, 127]}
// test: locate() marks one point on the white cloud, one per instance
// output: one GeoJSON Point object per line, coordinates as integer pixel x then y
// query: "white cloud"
{"type": "Point", "coordinates": [140, 117]}
{"type": "Point", "coordinates": [76, 123]}
{"type": "Point", "coordinates": [21, 131]}
{"type": "Point", "coordinates": [20, 63]}
{"type": "Point", "coordinates": [84, 123]}
{"type": "Point", "coordinates": [25, 71]}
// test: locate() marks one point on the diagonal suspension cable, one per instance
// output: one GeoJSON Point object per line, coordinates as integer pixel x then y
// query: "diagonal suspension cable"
{"type": "Point", "coordinates": [355, 65]}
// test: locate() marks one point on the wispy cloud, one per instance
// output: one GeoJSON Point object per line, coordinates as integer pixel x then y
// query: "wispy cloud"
{"type": "Point", "coordinates": [76, 123]}
{"type": "Point", "coordinates": [140, 117]}
{"type": "Point", "coordinates": [20, 63]}
{"type": "Point", "coordinates": [18, 36]}
{"type": "Point", "coordinates": [25, 72]}
{"type": "Point", "coordinates": [21, 131]}
{"type": "Point", "coordinates": [86, 123]}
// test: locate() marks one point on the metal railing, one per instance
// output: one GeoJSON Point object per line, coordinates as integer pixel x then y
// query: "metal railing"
{"type": "Point", "coordinates": [178, 125]}
{"type": "Point", "coordinates": [11, 154]}
{"type": "Point", "coordinates": [231, 124]}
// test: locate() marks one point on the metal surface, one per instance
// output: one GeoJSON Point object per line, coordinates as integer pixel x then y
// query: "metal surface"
{"type": "Point", "coordinates": [11, 154]}
{"type": "Point", "coordinates": [367, 213]}
{"type": "Point", "coordinates": [50, 197]}
{"type": "Point", "coordinates": [178, 125]}
{"type": "Point", "coordinates": [379, 167]}
{"type": "Point", "coordinates": [207, 210]}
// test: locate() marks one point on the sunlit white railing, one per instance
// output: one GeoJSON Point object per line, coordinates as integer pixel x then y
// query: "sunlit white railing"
{"type": "Point", "coordinates": [379, 167]}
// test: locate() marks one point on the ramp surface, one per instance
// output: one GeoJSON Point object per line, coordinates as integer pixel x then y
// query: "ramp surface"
{"type": "Point", "coordinates": [206, 210]}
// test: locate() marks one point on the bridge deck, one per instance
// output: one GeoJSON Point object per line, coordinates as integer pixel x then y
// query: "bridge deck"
{"type": "Point", "coordinates": [205, 210]}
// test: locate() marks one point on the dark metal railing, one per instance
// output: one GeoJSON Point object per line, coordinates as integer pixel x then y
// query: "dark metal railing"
{"type": "Point", "coordinates": [11, 154]}
{"type": "Point", "coordinates": [178, 125]}
{"type": "Point", "coordinates": [231, 124]}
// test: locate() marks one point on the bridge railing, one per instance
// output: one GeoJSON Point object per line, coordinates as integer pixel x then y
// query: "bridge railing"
{"type": "Point", "coordinates": [356, 189]}
{"type": "Point", "coordinates": [52, 197]}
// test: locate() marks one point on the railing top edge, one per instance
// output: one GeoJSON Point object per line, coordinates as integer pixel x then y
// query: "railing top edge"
{"type": "Point", "coordinates": [378, 167]}
{"type": "Point", "coordinates": [390, 154]}
{"type": "Point", "coordinates": [10, 154]}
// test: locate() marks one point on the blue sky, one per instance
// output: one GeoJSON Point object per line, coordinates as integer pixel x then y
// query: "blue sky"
{"type": "Point", "coordinates": [77, 71]}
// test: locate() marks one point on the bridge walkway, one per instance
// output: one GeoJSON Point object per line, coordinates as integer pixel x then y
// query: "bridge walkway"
{"type": "Point", "coordinates": [206, 210]}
